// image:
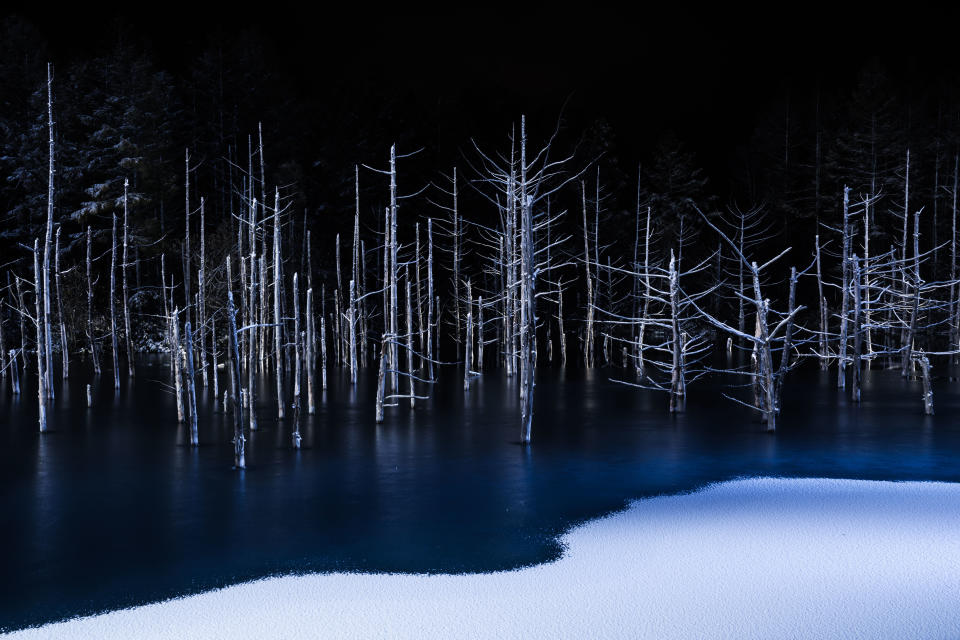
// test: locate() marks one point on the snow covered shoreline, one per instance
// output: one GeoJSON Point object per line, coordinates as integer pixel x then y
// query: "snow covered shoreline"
{"type": "Point", "coordinates": [755, 558]}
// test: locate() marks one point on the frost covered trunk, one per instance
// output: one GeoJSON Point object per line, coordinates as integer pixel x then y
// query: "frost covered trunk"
{"type": "Point", "coordinates": [175, 356]}
{"type": "Point", "coordinates": [468, 341]}
{"type": "Point", "coordinates": [42, 396]}
{"type": "Point", "coordinates": [126, 293]}
{"type": "Point", "coordinates": [278, 326]}
{"type": "Point", "coordinates": [239, 457]}
{"type": "Point", "coordinates": [911, 330]}
{"type": "Point", "coordinates": [924, 362]}
{"type": "Point", "coordinates": [295, 436]}
{"type": "Point", "coordinates": [677, 383]}
{"type": "Point", "coordinates": [528, 315]}
{"type": "Point", "coordinates": [113, 305]}
{"type": "Point", "coordinates": [822, 335]}
{"type": "Point", "coordinates": [352, 322]}
{"type": "Point", "coordinates": [48, 239]}
{"type": "Point", "coordinates": [430, 298]}
{"type": "Point", "coordinates": [409, 341]}
{"type": "Point", "coordinates": [844, 293]}
{"type": "Point", "coordinates": [64, 347]}
{"type": "Point", "coordinates": [588, 335]}
{"type": "Point", "coordinates": [857, 331]}
{"type": "Point", "coordinates": [311, 356]}
{"type": "Point", "coordinates": [394, 301]}
{"type": "Point", "coordinates": [191, 384]}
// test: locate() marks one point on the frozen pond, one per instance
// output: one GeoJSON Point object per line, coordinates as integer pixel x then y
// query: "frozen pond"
{"type": "Point", "coordinates": [114, 508]}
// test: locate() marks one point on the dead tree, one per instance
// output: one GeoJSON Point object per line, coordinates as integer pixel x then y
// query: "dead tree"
{"type": "Point", "coordinates": [177, 365]}
{"type": "Point", "coordinates": [239, 458]}
{"type": "Point", "coordinates": [48, 239]}
{"type": "Point", "coordinates": [64, 346]}
{"type": "Point", "coordinates": [126, 292]}
{"type": "Point", "coordinates": [42, 395]}
{"type": "Point", "coordinates": [113, 305]}
{"type": "Point", "coordinates": [311, 356]}
{"type": "Point", "coordinates": [765, 340]}
{"type": "Point", "coordinates": [519, 189]}
{"type": "Point", "coordinates": [295, 436]}
{"type": "Point", "coordinates": [191, 384]}
{"type": "Point", "coordinates": [90, 332]}
{"type": "Point", "coordinates": [278, 325]}
{"type": "Point", "coordinates": [588, 331]}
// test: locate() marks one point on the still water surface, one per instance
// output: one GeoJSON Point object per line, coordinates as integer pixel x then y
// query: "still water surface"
{"type": "Point", "coordinates": [113, 508]}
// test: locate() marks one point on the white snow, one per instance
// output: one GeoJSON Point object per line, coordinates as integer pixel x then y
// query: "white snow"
{"type": "Point", "coordinates": [757, 558]}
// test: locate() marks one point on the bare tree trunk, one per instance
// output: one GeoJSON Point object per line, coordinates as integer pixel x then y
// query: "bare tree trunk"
{"type": "Point", "coordinates": [480, 334]}
{"type": "Point", "coordinates": [14, 372]}
{"type": "Point", "coordinates": [822, 337]}
{"type": "Point", "coordinates": [394, 300]}
{"type": "Point", "coordinates": [528, 312]}
{"type": "Point", "coordinates": [845, 293]}
{"type": "Point", "coordinates": [166, 306]}
{"type": "Point", "coordinates": [338, 307]}
{"type": "Point", "coordinates": [175, 356]}
{"type": "Point", "coordinates": [381, 377]}
{"type": "Point", "coordinates": [48, 339]}
{"type": "Point", "coordinates": [251, 371]}
{"type": "Point", "coordinates": [866, 278]}
{"type": "Point", "coordinates": [323, 353]}
{"type": "Point", "coordinates": [296, 367]}
{"type": "Point", "coordinates": [3, 344]}
{"type": "Point", "coordinates": [911, 332]}
{"type": "Point", "coordinates": [213, 353]}
{"type": "Point", "coordinates": [857, 330]}
{"type": "Point", "coordinates": [311, 353]}
{"type": "Point", "coordinates": [410, 380]}
{"type": "Point", "coordinates": [430, 297]}
{"type": "Point", "coordinates": [641, 366]}
{"type": "Point", "coordinates": [296, 333]}
{"type": "Point", "coordinates": [456, 261]}
{"type": "Point", "coordinates": [187, 268]}
{"type": "Point", "coordinates": [954, 292]}
{"type": "Point", "coordinates": [21, 305]}
{"type": "Point", "coordinates": [64, 347]}
{"type": "Point", "coordinates": [202, 295]}
{"type": "Point", "coordinates": [765, 356]}
{"type": "Point", "coordinates": [563, 335]}
{"type": "Point", "coordinates": [126, 294]}
{"type": "Point", "coordinates": [353, 333]}
{"type": "Point", "coordinates": [468, 342]}
{"type": "Point", "coordinates": [787, 337]}
{"type": "Point", "coordinates": [927, 387]}
{"type": "Point", "coordinates": [906, 210]}
{"type": "Point", "coordinates": [42, 397]}
{"type": "Point", "coordinates": [262, 348]}
{"type": "Point", "coordinates": [239, 458]}
{"type": "Point", "coordinates": [677, 383]}
{"type": "Point", "coordinates": [362, 310]}
{"type": "Point", "coordinates": [278, 327]}
{"type": "Point", "coordinates": [113, 305]}
{"type": "Point", "coordinates": [251, 336]}
{"type": "Point", "coordinates": [191, 385]}
{"type": "Point", "coordinates": [337, 333]}
{"type": "Point", "coordinates": [422, 337]}
{"type": "Point", "coordinates": [588, 336]}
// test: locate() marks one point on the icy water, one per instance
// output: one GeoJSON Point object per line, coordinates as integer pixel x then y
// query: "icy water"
{"type": "Point", "coordinates": [113, 508]}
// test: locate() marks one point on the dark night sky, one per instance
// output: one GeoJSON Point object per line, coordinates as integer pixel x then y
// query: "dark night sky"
{"type": "Point", "coordinates": [704, 73]}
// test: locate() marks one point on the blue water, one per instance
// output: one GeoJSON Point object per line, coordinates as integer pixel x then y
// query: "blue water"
{"type": "Point", "coordinates": [113, 508]}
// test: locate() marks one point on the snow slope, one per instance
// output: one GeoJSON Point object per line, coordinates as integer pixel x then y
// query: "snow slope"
{"type": "Point", "coordinates": [757, 558]}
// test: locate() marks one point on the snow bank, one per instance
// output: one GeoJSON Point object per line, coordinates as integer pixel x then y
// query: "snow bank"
{"type": "Point", "coordinates": [758, 558]}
